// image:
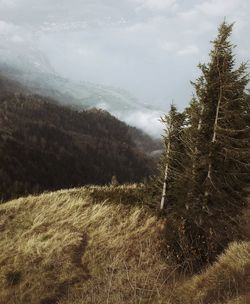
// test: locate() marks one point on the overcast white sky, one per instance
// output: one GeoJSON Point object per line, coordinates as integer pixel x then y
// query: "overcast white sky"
{"type": "Point", "coordinates": [149, 47]}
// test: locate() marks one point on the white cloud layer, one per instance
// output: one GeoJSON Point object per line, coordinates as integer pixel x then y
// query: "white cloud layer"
{"type": "Point", "coordinates": [147, 121]}
{"type": "Point", "coordinates": [189, 49]}
{"type": "Point", "coordinates": [157, 4]}
{"type": "Point", "coordinates": [149, 47]}
{"type": "Point", "coordinates": [7, 3]}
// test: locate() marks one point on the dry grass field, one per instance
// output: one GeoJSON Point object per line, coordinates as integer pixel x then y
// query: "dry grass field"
{"type": "Point", "coordinates": [67, 247]}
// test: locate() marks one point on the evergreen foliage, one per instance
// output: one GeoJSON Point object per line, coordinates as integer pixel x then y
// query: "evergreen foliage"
{"type": "Point", "coordinates": [211, 175]}
{"type": "Point", "coordinates": [172, 159]}
{"type": "Point", "coordinates": [222, 137]}
{"type": "Point", "coordinates": [171, 164]}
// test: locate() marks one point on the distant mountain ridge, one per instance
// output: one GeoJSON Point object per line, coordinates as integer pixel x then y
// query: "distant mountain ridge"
{"type": "Point", "coordinates": [143, 141]}
{"type": "Point", "coordinates": [35, 73]}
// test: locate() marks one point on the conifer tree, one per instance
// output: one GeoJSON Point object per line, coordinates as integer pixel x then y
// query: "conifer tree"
{"type": "Point", "coordinates": [217, 149]}
{"type": "Point", "coordinates": [171, 162]}
{"type": "Point", "coordinates": [222, 137]}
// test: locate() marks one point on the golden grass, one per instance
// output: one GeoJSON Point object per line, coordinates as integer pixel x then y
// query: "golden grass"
{"type": "Point", "coordinates": [71, 247]}
{"type": "Point", "coordinates": [62, 247]}
{"type": "Point", "coordinates": [226, 281]}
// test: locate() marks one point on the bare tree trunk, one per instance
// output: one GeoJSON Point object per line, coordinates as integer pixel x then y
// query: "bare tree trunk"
{"type": "Point", "coordinates": [214, 137]}
{"type": "Point", "coordinates": [200, 120]}
{"type": "Point", "coordinates": [164, 190]}
{"type": "Point", "coordinates": [196, 149]}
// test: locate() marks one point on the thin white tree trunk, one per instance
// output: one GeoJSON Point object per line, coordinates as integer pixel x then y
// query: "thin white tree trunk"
{"type": "Point", "coordinates": [214, 137]}
{"type": "Point", "coordinates": [164, 190]}
{"type": "Point", "coordinates": [200, 120]}
{"type": "Point", "coordinates": [196, 149]}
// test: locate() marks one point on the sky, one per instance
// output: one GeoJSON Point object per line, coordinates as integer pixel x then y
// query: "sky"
{"type": "Point", "coordinates": [149, 47]}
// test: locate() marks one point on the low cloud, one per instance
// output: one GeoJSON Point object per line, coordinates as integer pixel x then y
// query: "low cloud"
{"type": "Point", "coordinates": [148, 47]}
{"type": "Point", "coordinates": [7, 3]}
{"type": "Point", "coordinates": [149, 122]}
{"type": "Point", "coordinates": [6, 28]}
{"type": "Point", "coordinates": [190, 49]}
{"type": "Point", "coordinates": [219, 7]}
{"type": "Point", "coordinates": [157, 4]}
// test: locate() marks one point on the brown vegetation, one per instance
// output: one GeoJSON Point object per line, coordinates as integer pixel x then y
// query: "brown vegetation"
{"type": "Point", "coordinates": [68, 247]}
{"type": "Point", "coordinates": [226, 281]}
{"type": "Point", "coordinates": [62, 246]}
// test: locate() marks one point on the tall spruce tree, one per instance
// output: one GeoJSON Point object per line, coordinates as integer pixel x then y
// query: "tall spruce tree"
{"type": "Point", "coordinates": [217, 145]}
{"type": "Point", "coordinates": [222, 137]}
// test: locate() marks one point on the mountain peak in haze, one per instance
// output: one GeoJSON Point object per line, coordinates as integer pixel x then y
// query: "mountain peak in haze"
{"type": "Point", "coordinates": [33, 70]}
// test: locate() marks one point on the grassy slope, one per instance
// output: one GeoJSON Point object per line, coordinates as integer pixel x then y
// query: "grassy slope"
{"type": "Point", "coordinates": [226, 281]}
{"type": "Point", "coordinates": [61, 247]}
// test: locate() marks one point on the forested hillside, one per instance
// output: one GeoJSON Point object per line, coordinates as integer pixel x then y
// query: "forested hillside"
{"type": "Point", "coordinates": [45, 146]}
{"type": "Point", "coordinates": [40, 79]}
{"type": "Point", "coordinates": [9, 86]}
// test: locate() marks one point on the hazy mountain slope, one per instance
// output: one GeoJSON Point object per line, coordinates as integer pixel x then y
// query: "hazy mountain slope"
{"type": "Point", "coordinates": [146, 143]}
{"type": "Point", "coordinates": [143, 141]}
{"type": "Point", "coordinates": [35, 73]}
{"type": "Point", "coordinates": [62, 248]}
{"type": "Point", "coordinates": [45, 146]}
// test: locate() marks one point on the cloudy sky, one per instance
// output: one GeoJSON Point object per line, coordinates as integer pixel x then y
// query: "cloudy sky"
{"type": "Point", "coordinates": [148, 47]}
